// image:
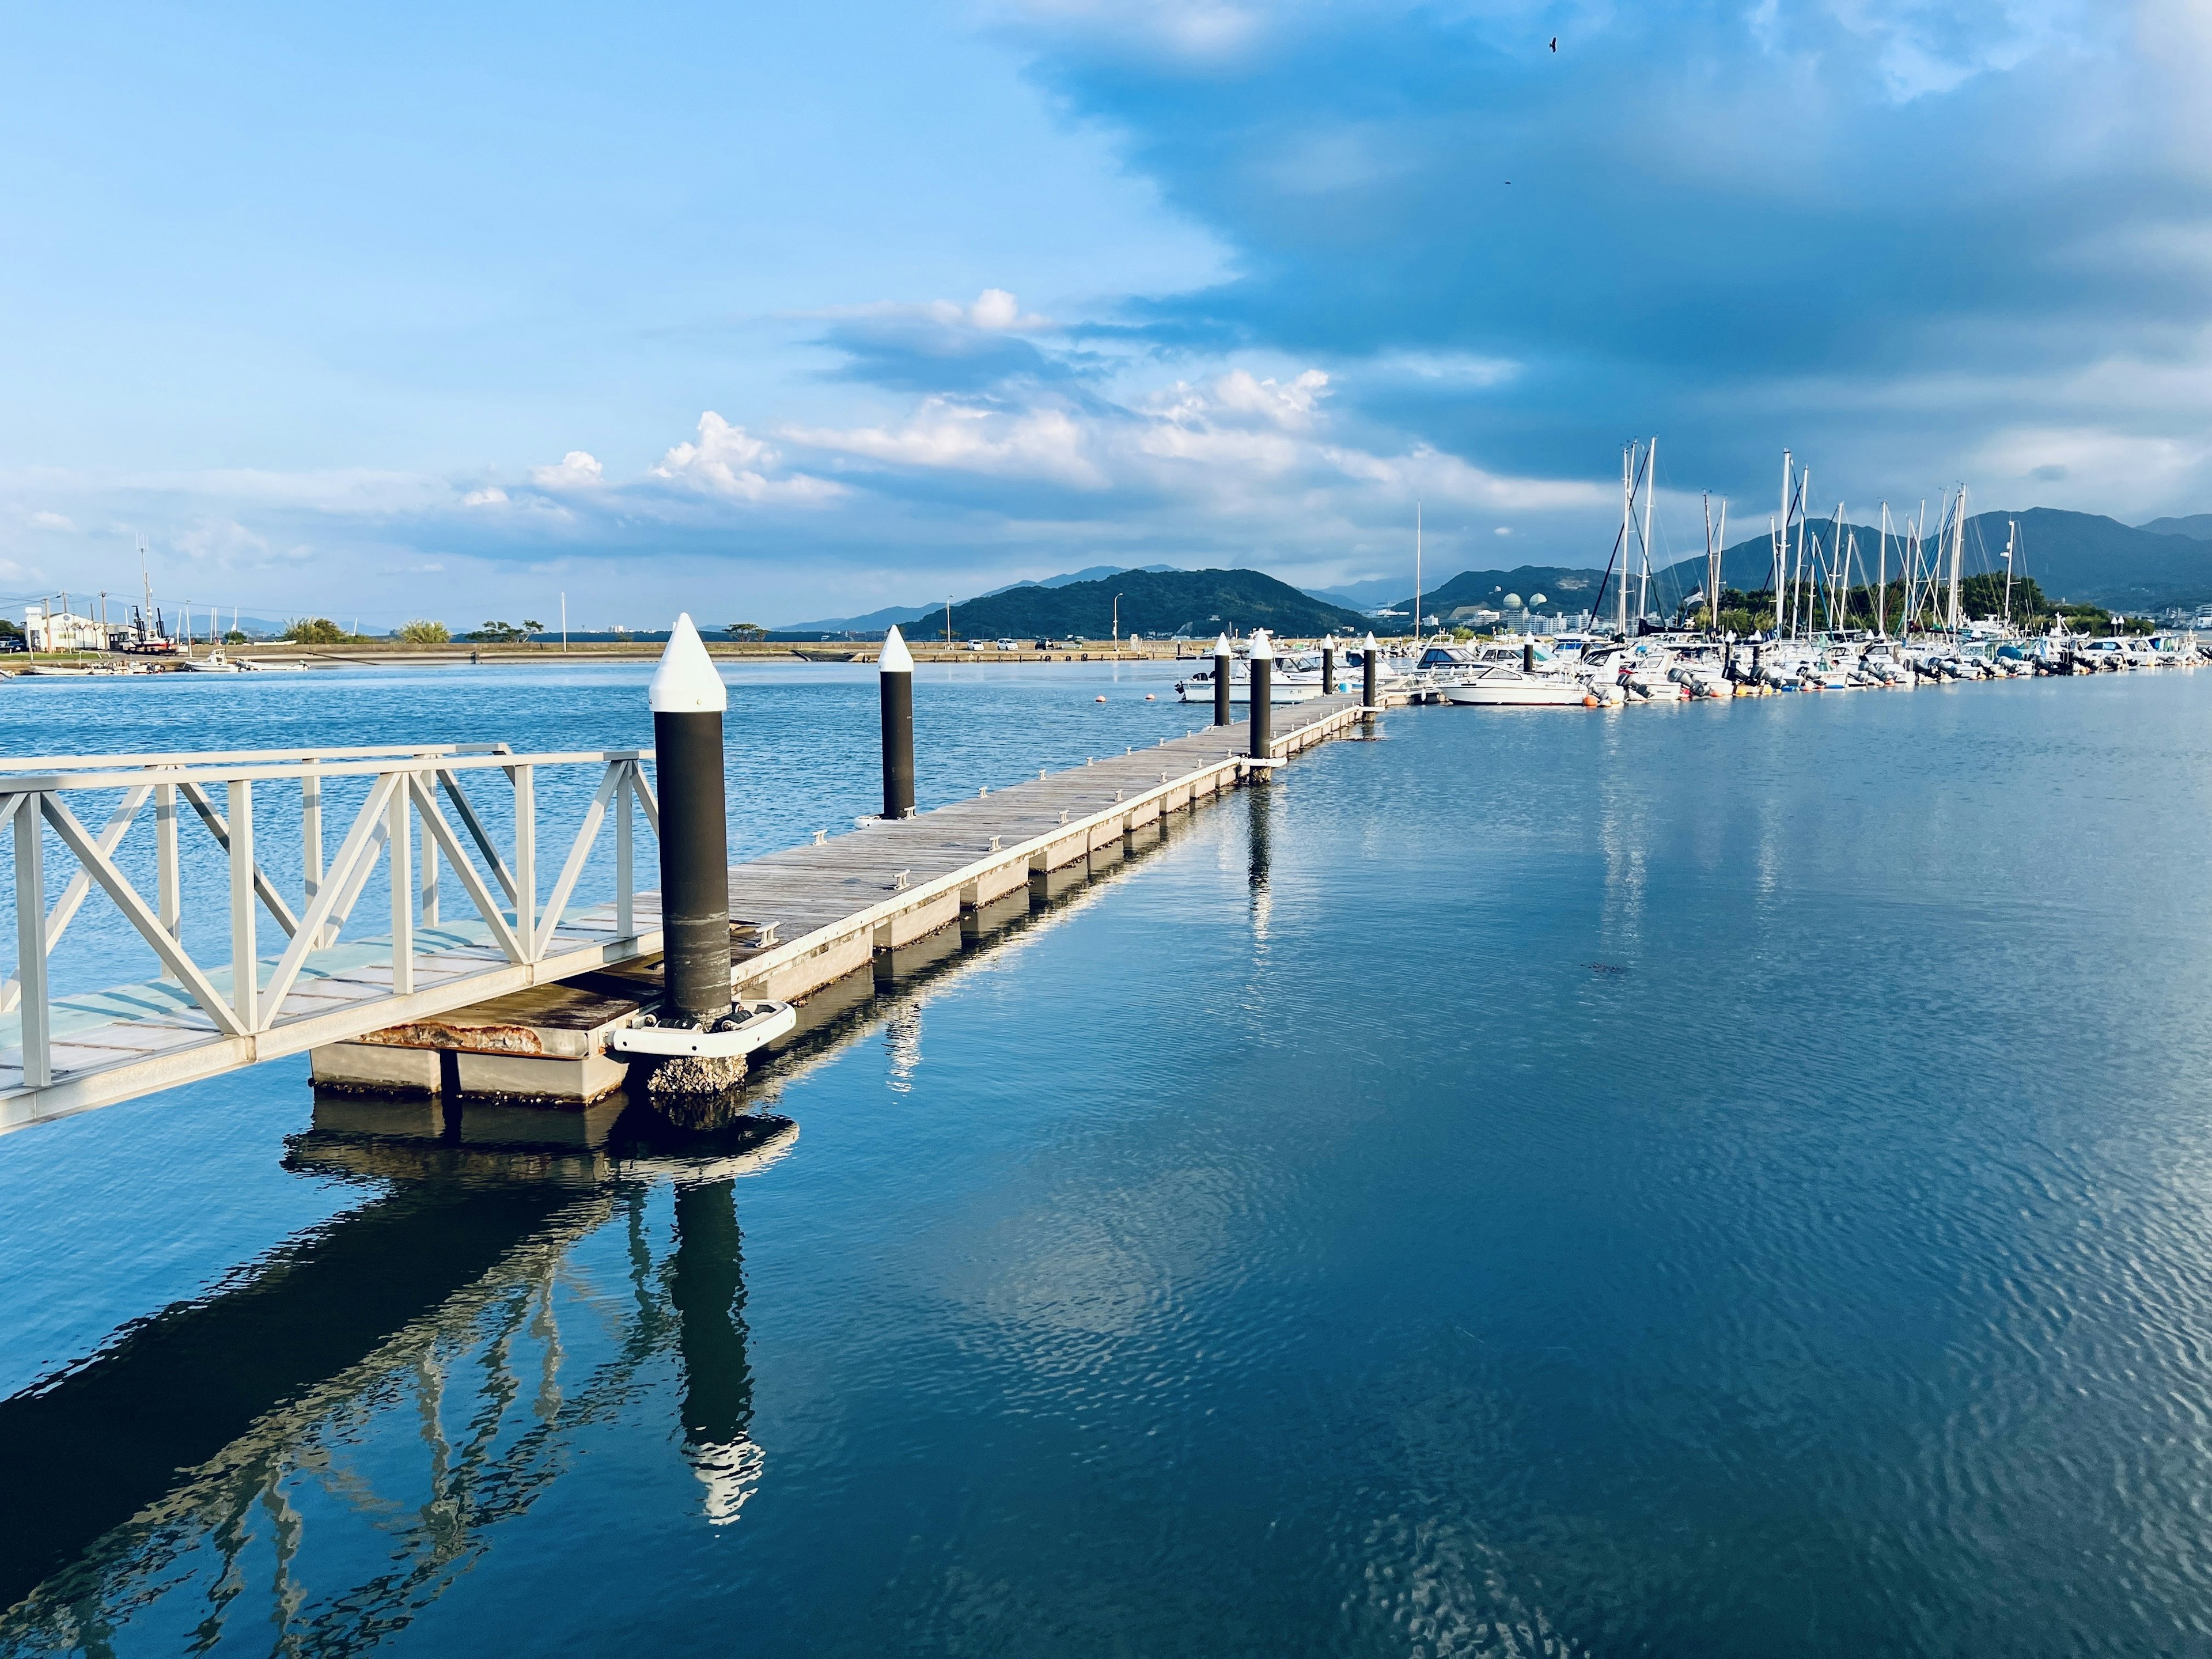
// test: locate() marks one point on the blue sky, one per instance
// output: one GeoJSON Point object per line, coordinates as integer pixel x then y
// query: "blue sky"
{"type": "Point", "coordinates": [784, 312]}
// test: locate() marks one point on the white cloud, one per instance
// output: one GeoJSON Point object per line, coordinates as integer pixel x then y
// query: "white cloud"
{"type": "Point", "coordinates": [1238, 445]}
{"type": "Point", "coordinates": [490, 496]}
{"type": "Point", "coordinates": [1194, 30]}
{"type": "Point", "coordinates": [577, 469]}
{"type": "Point", "coordinates": [995, 308]}
{"type": "Point", "coordinates": [43, 520]}
{"type": "Point", "coordinates": [944, 433]}
{"type": "Point", "coordinates": [728, 461]}
{"type": "Point", "coordinates": [994, 311]}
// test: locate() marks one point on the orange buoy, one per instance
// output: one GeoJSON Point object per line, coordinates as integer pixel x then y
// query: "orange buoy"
{"type": "Point", "coordinates": [1589, 702]}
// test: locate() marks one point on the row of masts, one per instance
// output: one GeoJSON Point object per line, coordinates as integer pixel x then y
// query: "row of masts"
{"type": "Point", "coordinates": [1813, 592]}
{"type": "Point", "coordinates": [1813, 588]}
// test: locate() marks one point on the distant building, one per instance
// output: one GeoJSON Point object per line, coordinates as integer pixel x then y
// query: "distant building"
{"type": "Point", "coordinates": [62, 631]}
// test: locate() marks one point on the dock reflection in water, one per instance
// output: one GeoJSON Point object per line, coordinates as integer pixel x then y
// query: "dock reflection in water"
{"type": "Point", "coordinates": [401, 1378]}
{"type": "Point", "coordinates": [334, 1434]}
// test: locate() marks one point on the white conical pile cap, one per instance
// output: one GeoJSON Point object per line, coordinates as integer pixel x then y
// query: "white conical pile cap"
{"type": "Point", "coordinates": [1262, 646]}
{"type": "Point", "coordinates": [1223, 648]}
{"type": "Point", "coordinates": [1371, 645]}
{"type": "Point", "coordinates": [1328, 642]}
{"type": "Point", "coordinates": [894, 657]}
{"type": "Point", "coordinates": [686, 682]}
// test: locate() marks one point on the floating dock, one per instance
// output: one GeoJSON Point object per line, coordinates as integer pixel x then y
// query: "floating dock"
{"type": "Point", "coordinates": [468, 1016]}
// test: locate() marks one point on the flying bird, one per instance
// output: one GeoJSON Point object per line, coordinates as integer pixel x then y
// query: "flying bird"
{"type": "Point", "coordinates": [1555, 43]}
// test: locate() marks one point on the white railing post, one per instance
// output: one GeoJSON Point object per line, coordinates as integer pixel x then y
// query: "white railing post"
{"type": "Point", "coordinates": [30, 941]}
{"type": "Point", "coordinates": [171, 901]}
{"type": "Point", "coordinates": [245, 959]}
{"type": "Point", "coordinates": [625, 905]}
{"type": "Point", "coordinates": [429, 882]}
{"type": "Point", "coordinates": [526, 860]}
{"type": "Point", "coordinates": [398, 842]}
{"type": "Point", "coordinates": [311, 839]}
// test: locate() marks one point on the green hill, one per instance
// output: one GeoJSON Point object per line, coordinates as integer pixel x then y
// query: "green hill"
{"type": "Point", "coordinates": [1154, 603]}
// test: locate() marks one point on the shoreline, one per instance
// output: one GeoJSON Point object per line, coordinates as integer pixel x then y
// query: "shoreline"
{"type": "Point", "coordinates": [284, 657]}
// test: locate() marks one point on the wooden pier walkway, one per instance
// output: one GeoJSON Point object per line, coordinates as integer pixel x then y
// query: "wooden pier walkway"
{"type": "Point", "coordinates": [817, 913]}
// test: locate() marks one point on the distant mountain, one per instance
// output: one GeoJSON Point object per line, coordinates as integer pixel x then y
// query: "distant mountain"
{"type": "Point", "coordinates": [875, 621]}
{"type": "Point", "coordinates": [2197, 526]}
{"type": "Point", "coordinates": [1090, 573]}
{"type": "Point", "coordinates": [1565, 590]}
{"type": "Point", "coordinates": [1155, 603]}
{"type": "Point", "coordinates": [2079, 558]}
{"type": "Point", "coordinates": [1361, 595]}
{"type": "Point", "coordinates": [897, 616]}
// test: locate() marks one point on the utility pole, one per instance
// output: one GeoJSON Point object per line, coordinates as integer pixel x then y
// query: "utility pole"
{"type": "Point", "coordinates": [564, 624]}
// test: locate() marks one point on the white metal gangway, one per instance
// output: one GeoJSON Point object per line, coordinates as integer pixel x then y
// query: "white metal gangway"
{"type": "Point", "coordinates": [66, 1053]}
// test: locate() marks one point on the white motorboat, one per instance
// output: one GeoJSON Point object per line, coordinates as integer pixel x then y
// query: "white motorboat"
{"type": "Point", "coordinates": [1296, 678]}
{"type": "Point", "coordinates": [1638, 672]}
{"type": "Point", "coordinates": [1500, 686]}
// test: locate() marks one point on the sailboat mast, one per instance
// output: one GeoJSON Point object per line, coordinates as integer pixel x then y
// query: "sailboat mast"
{"type": "Point", "coordinates": [1957, 551]}
{"type": "Point", "coordinates": [1417, 578]}
{"type": "Point", "coordinates": [1650, 489]}
{"type": "Point", "coordinates": [1781, 544]}
{"type": "Point", "coordinates": [1720, 557]}
{"type": "Point", "coordinates": [2012, 544]}
{"type": "Point", "coordinates": [1713, 587]}
{"type": "Point", "coordinates": [1837, 572]}
{"type": "Point", "coordinates": [1798, 579]}
{"type": "Point", "coordinates": [1882, 580]}
{"type": "Point", "coordinates": [1627, 529]}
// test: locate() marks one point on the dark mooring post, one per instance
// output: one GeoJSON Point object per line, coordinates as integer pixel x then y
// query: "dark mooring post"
{"type": "Point", "coordinates": [688, 698]}
{"type": "Point", "coordinates": [1370, 674]}
{"type": "Point", "coordinates": [1224, 666]}
{"type": "Point", "coordinates": [895, 682]}
{"type": "Point", "coordinates": [1262, 663]}
{"type": "Point", "coordinates": [1328, 666]}
{"type": "Point", "coordinates": [1528, 656]}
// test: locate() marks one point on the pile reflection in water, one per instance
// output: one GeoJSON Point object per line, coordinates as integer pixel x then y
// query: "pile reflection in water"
{"type": "Point", "coordinates": [401, 1370]}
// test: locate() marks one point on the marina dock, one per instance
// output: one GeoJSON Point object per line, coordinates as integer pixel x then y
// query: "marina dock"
{"type": "Point", "coordinates": [427, 1012]}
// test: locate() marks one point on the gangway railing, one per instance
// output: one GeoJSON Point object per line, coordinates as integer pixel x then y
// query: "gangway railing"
{"type": "Point", "coordinates": [407, 790]}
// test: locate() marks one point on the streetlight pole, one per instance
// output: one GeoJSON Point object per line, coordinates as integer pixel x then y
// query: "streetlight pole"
{"type": "Point", "coordinates": [1117, 624]}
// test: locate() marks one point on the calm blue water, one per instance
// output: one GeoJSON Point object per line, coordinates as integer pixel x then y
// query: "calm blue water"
{"type": "Point", "coordinates": [1719, 1180]}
